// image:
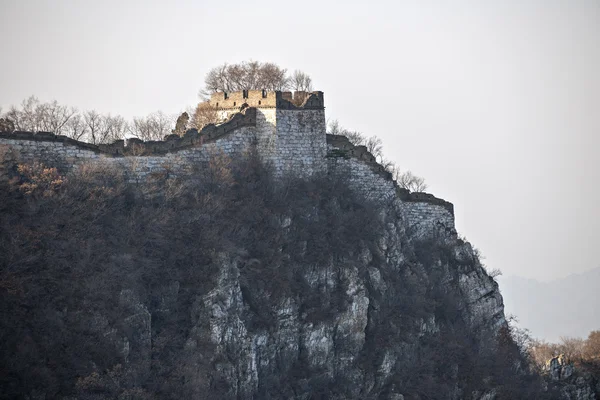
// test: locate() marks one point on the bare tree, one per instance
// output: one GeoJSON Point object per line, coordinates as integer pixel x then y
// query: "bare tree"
{"type": "Point", "coordinates": [217, 79]}
{"type": "Point", "coordinates": [592, 345]}
{"type": "Point", "coordinates": [355, 137]}
{"type": "Point", "coordinates": [27, 117]}
{"type": "Point", "coordinates": [410, 181]}
{"type": "Point", "coordinates": [90, 126]}
{"type": "Point", "coordinates": [334, 127]}
{"type": "Point", "coordinates": [56, 116]}
{"type": "Point", "coordinates": [300, 81]}
{"type": "Point", "coordinates": [116, 129]}
{"type": "Point", "coordinates": [493, 273]}
{"type": "Point", "coordinates": [37, 116]}
{"type": "Point", "coordinates": [153, 127]}
{"type": "Point", "coordinates": [373, 144]}
{"type": "Point", "coordinates": [204, 114]}
{"type": "Point", "coordinates": [76, 128]}
{"type": "Point", "coordinates": [95, 126]}
{"type": "Point", "coordinates": [572, 348]}
{"type": "Point", "coordinates": [253, 75]}
{"type": "Point", "coordinates": [272, 77]}
{"type": "Point", "coordinates": [375, 147]}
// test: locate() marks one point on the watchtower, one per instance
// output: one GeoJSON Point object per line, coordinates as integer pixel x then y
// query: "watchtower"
{"type": "Point", "coordinates": [290, 128]}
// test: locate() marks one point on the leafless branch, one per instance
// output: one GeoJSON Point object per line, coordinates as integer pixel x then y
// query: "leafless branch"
{"type": "Point", "coordinates": [253, 75]}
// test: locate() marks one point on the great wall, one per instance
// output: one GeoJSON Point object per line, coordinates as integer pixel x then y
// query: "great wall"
{"type": "Point", "coordinates": [288, 132]}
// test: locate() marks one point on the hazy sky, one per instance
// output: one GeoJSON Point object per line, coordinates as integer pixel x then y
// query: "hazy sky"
{"type": "Point", "coordinates": [495, 103]}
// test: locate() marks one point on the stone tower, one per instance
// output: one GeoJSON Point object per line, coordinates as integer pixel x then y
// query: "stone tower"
{"type": "Point", "coordinates": [290, 129]}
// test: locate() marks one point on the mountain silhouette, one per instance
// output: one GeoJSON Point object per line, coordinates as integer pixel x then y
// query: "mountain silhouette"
{"type": "Point", "coordinates": [568, 306]}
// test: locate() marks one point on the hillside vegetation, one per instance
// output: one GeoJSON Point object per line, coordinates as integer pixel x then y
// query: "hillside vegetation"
{"type": "Point", "coordinates": [227, 283]}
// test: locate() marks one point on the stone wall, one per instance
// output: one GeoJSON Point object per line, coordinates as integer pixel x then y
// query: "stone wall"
{"type": "Point", "coordinates": [422, 212]}
{"type": "Point", "coordinates": [291, 138]}
{"type": "Point", "coordinates": [66, 156]}
{"type": "Point", "coordinates": [295, 145]}
{"type": "Point", "coordinates": [177, 155]}
{"type": "Point", "coordinates": [47, 150]}
{"type": "Point", "coordinates": [426, 217]}
{"type": "Point", "coordinates": [301, 146]}
{"type": "Point", "coordinates": [362, 177]}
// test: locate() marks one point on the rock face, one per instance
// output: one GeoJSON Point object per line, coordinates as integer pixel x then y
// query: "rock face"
{"type": "Point", "coordinates": [559, 369]}
{"type": "Point", "coordinates": [335, 347]}
{"type": "Point", "coordinates": [364, 328]}
{"type": "Point", "coordinates": [570, 383]}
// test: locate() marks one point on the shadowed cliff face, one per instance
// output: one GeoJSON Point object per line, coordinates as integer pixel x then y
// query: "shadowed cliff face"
{"type": "Point", "coordinates": [370, 320]}
{"type": "Point", "coordinates": [229, 284]}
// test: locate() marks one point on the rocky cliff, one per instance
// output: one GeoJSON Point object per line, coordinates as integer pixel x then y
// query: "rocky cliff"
{"type": "Point", "coordinates": [228, 283]}
{"type": "Point", "coordinates": [364, 321]}
{"type": "Point", "coordinates": [569, 382]}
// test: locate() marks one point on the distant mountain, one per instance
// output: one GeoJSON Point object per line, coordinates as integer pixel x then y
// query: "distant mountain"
{"type": "Point", "coordinates": [564, 307]}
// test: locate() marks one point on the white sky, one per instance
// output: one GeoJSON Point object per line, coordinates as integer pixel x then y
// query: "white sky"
{"type": "Point", "coordinates": [495, 103]}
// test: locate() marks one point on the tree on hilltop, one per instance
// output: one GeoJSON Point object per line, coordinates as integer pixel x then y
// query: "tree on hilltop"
{"type": "Point", "coordinates": [592, 345]}
{"type": "Point", "coordinates": [412, 182]}
{"type": "Point", "coordinates": [155, 126]}
{"type": "Point", "coordinates": [89, 126]}
{"type": "Point", "coordinates": [33, 115]}
{"type": "Point", "coordinates": [300, 81]}
{"type": "Point", "coordinates": [99, 128]}
{"type": "Point", "coordinates": [253, 75]}
{"type": "Point", "coordinates": [204, 114]}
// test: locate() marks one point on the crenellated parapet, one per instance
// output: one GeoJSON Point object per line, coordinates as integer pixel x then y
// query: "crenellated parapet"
{"type": "Point", "coordinates": [266, 99]}
{"type": "Point", "coordinates": [137, 147]}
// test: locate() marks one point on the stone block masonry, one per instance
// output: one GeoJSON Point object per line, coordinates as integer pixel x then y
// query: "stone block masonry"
{"type": "Point", "coordinates": [301, 143]}
{"type": "Point", "coordinates": [293, 137]}
{"type": "Point", "coordinates": [427, 217]}
{"type": "Point", "coordinates": [289, 132]}
{"type": "Point", "coordinates": [422, 212]}
{"type": "Point", "coordinates": [63, 156]}
{"type": "Point", "coordinates": [136, 157]}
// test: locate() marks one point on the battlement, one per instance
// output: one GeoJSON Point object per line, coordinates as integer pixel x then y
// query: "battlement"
{"type": "Point", "coordinates": [137, 147]}
{"type": "Point", "coordinates": [341, 147]}
{"type": "Point", "coordinates": [266, 99]}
